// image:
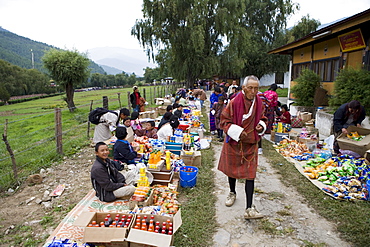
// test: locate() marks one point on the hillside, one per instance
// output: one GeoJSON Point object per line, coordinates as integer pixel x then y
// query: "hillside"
{"type": "Point", "coordinates": [123, 59]}
{"type": "Point", "coordinates": [18, 50]}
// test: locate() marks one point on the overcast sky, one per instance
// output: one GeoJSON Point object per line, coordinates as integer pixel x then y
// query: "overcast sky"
{"type": "Point", "coordinates": [85, 24]}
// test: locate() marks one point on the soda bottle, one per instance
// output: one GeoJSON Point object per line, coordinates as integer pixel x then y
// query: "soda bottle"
{"type": "Point", "coordinates": [109, 219]}
{"type": "Point", "coordinates": [116, 220]}
{"type": "Point", "coordinates": [106, 222]}
{"type": "Point", "coordinates": [143, 225]}
{"type": "Point", "coordinates": [168, 223]}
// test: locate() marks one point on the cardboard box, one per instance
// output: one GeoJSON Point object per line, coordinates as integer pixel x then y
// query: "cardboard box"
{"type": "Point", "coordinates": [137, 237]}
{"type": "Point", "coordinates": [192, 160]}
{"type": "Point", "coordinates": [367, 156]}
{"type": "Point", "coordinates": [305, 116]}
{"type": "Point", "coordinates": [359, 147]}
{"type": "Point", "coordinates": [162, 110]}
{"type": "Point", "coordinates": [149, 201]}
{"type": "Point", "coordinates": [102, 235]}
{"type": "Point", "coordinates": [272, 137]}
{"type": "Point", "coordinates": [163, 181]}
{"type": "Point", "coordinates": [197, 159]}
{"type": "Point", "coordinates": [294, 135]}
{"type": "Point", "coordinates": [162, 175]}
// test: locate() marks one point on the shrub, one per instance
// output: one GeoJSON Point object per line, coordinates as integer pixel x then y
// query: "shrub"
{"type": "Point", "coordinates": [351, 84]}
{"type": "Point", "coordinates": [304, 90]}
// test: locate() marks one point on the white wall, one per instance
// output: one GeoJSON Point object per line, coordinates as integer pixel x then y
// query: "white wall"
{"type": "Point", "coordinates": [267, 80]}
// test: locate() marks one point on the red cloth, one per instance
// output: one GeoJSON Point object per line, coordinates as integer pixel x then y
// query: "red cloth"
{"type": "Point", "coordinates": [239, 111]}
{"type": "Point", "coordinates": [240, 160]}
{"type": "Point", "coordinates": [137, 98]}
{"type": "Point", "coordinates": [286, 118]}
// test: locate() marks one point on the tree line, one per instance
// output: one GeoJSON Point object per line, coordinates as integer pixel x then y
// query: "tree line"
{"type": "Point", "coordinates": [15, 81]}
{"type": "Point", "coordinates": [199, 39]}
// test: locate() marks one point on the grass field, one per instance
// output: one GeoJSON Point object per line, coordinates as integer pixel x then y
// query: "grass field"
{"type": "Point", "coordinates": [31, 129]}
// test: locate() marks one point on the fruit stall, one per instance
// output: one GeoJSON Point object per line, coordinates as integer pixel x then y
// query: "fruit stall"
{"type": "Point", "coordinates": [152, 215]}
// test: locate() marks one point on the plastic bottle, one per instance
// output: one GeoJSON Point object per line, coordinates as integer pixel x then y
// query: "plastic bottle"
{"type": "Point", "coordinates": [109, 219]}
{"type": "Point", "coordinates": [106, 222]}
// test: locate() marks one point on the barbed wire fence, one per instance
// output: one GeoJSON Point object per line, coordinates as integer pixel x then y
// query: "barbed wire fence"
{"type": "Point", "coordinates": [23, 153]}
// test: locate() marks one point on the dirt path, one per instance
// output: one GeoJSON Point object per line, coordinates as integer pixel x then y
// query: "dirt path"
{"type": "Point", "coordinates": [287, 222]}
{"type": "Point", "coordinates": [29, 215]}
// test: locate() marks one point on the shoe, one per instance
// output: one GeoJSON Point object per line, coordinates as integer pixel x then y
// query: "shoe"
{"type": "Point", "coordinates": [252, 213]}
{"type": "Point", "coordinates": [212, 132]}
{"type": "Point", "coordinates": [260, 151]}
{"type": "Point", "coordinates": [220, 139]}
{"type": "Point", "coordinates": [230, 199]}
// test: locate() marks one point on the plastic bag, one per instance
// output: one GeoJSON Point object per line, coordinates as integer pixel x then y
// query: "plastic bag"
{"type": "Point", "coordinates": [204, 144]}
{"type": "Point", "coordinates": [329, 142]}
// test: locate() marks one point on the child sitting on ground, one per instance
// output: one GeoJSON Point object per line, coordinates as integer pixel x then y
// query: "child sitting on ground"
{"type": "Point", "coordinates": [123, 151]}
{"type": "Point", "coordinates": [135, 123]}
{"type": "Point", "coordinates": [285, 116]}
{"type": "Point", "coordinates": [178, 112]}
{"type": "Point", "coordinates": [148, 130]}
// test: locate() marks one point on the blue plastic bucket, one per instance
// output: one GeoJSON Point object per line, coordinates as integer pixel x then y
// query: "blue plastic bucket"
{"type": "Point", "coordinates": [188, 176]}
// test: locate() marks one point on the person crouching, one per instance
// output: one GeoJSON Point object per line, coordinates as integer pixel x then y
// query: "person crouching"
{"type": "Point", "coordinates": [108, 183]}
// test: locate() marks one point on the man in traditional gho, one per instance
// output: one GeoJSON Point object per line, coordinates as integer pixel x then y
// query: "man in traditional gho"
{"type": "Point", "coordinates": [244, 122]}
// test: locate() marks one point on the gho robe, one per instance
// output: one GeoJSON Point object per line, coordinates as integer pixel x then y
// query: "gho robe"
{"type": "Point", "coordinates": [239, 159]}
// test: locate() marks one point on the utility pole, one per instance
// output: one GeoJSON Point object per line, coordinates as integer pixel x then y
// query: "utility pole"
{"type": "Point", "coordinates": [33, 61]}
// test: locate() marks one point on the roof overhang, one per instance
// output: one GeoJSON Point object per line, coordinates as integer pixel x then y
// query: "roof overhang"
{"type": "Point", "coordinates": [331, 30]}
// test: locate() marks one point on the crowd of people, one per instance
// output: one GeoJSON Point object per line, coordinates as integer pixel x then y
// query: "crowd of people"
{"type": "Point", "coordinates": [240, 114]}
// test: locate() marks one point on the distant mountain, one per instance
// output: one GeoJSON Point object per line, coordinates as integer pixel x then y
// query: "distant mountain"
{"type": "Point", "coordinates": [18, 50]}
{"type": "Point", "coordinates": [111, 70]}
{"type": "Point", "coordinates": [127, 60]}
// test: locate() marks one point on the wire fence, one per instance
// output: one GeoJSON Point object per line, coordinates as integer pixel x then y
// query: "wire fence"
{"type": "Point", "coordinates": [33, 141]}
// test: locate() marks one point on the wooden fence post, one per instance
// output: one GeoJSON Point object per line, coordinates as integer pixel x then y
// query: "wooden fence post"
{"type": "Point", "coordinates": [154, 94]}
{"type": "Point", "coordinates": [88, 122]}
{"type": "Point", "coordinates": [105, 102]}
{"type": "Point", "coordinates": [5, 139]}
{"type": "Point", "coordinates": [58, 130]}
{"type": "Point", "coordinates": [144, 92]}
{"type": "Point", "coordinates": [119, 100]}
{"type": "Point", "coordinates": [128, 101]}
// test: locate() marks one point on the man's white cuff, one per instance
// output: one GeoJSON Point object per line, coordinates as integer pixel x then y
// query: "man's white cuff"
{"type": "Point", "coordinates": [235, 131]}
{"type": "Point", "coordinates": [263, 124]}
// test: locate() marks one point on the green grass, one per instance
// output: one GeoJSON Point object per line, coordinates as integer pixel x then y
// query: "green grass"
{"type": "Point", "coordinates": [198, 205]}
{"type": "Point", "coordinates": [282, 92]}
{"type": "Point", "coordinates": [351, 218]}
{"type": "Point", "coordinates": [31, 129]}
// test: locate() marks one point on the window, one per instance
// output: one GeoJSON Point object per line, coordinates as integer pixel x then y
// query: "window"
{"type": "Point", "coordinates": [327, 69]}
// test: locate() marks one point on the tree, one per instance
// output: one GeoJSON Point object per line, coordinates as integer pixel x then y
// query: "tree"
{"type": "Point", "coordinates": [304, 27]}
{"type": "Point", "coordinates": [304, 90]}
{"type": "Point", "coordinates": [4, 94]}
{"type": "Point", "coordinates": [67, 68]}
{"type": "Point", "coordinates": [189, 34]}
{"type": "Point", "coordinates": [151, 74]}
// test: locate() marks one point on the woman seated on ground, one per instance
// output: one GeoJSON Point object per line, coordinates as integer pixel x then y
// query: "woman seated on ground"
{"type": "Point", "coordinates": [148, 130]}
{"type": "Point", "coordinates": [123, 151]}
{"type": "Point", "coordinates": [129, 129]}
{"type": "Point", "coordinates": [165, 119]}
{"type": "Point", "coordinates": [167, 129]}
{"type": "Point", "coordinates": [108, 183]}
